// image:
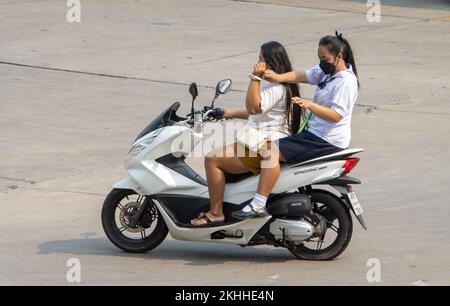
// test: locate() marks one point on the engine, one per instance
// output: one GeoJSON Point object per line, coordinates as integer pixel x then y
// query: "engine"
{"type": "Point", "coordinates": [290, 210]}
{"type": "Point", "coordinates": [294, 230]}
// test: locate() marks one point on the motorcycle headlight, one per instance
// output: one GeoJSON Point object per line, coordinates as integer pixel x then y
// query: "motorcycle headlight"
{"type": "Point", "coordinates": [135, 150]}
{"type": "Point", "coordinates": [139, 147]}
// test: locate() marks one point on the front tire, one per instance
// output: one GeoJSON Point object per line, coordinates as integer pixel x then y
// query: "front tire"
{"type": "Point", "coordinates": [117, 209]}
{"type": "Point", "coordinates": [334, 211]}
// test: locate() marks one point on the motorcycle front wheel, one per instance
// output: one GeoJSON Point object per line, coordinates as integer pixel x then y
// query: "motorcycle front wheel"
{"type": "Point", "coordinates": [339, 228]}
{"type": "Point", "coordinates": [118, 209]}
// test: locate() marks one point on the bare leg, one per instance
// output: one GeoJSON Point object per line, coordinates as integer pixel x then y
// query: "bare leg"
{"type": "Point", "coordinates": [215, 167]}
{"type": "Point", "coordinates": [270, 171]}
{"type": "Point", "coordinates": [267, 180]}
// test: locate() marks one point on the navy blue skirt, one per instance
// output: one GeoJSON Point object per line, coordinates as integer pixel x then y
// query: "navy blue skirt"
{"type": "Point", "coordinates": [298, 148]}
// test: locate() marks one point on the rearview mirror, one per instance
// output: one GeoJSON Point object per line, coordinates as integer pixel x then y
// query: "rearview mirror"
{"type": "Point", "coordinates": [223, 87]}
{"type": "Point", "coordinates": [194, 93]}
{"type": "Point", "coordinates": [193, 90]}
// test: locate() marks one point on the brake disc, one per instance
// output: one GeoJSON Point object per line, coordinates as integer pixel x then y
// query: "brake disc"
{"type": "Point", "coordinates": [126, 213]}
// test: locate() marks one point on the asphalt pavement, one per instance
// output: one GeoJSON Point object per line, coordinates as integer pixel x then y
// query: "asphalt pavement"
{"type": "Point", "coordinates": [75, 95]}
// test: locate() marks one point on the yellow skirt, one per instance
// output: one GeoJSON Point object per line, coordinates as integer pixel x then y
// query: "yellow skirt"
{"type": "Point", "coordinates": [249, 158]}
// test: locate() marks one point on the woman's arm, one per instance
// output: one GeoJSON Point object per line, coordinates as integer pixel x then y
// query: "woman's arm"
{"type": "Point", "coordinates": [235, 113]}
{"type": "Point", "coordinates": [289, 77]}
{"type": "Point", "coordinates": [253, 100]}
{"type": "Point", "coordinates": [323, 112]}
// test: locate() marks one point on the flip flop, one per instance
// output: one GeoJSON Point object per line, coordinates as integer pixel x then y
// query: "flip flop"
{"type": "Point", "coordinates": [203, 216]}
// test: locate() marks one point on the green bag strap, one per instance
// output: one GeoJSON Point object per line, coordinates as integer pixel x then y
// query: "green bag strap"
{"type": "Point", "coordinates": [305, 123]}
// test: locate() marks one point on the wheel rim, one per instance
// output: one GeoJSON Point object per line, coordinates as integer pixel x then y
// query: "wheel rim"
{"type": "Point", "coordinates": [329, 238]}
{"type": "Point", "coordinates": [126, 208]}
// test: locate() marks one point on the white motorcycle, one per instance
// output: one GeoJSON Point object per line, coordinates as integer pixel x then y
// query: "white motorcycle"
{"type": "Point", "coordinates": [163, 193]}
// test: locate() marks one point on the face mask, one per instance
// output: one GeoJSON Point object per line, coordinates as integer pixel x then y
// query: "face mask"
{"type": "Point", "coordinates": [327, 68]}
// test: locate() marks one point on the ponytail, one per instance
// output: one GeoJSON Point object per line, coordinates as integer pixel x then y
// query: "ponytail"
{"type": "Point", "coordinates": [338, 44]}
{"type": "Point", "coordinates": [294, 112]}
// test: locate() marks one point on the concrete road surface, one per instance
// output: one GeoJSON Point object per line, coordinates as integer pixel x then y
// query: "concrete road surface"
{"type": "Point", "coordinates": [74, 95]}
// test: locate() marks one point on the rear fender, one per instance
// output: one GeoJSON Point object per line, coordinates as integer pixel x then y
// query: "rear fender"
{"type": "Point", "coordinates": [344, 202]}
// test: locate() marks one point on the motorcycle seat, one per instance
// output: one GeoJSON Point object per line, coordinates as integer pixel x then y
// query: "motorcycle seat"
{"type": "Point", "coordinates": [235, 178]}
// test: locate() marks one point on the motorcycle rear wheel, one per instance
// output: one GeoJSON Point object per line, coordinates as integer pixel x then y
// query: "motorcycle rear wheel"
{"type": "Point", "coordinates": [116, 212]}
{"type": "Point", "coordinates": [332, 209]}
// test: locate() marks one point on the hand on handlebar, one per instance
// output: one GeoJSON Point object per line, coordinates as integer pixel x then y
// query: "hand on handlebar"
{"type": "Point", "coordinates": [227, 113]}
{"type": "Point", "coordinates": [212, 114]}
{"type": "Point", "coordinates": [218, 113]}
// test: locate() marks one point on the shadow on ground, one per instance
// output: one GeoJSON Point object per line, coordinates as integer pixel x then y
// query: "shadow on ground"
{"type": "Point", "coordinates": [197, 254]}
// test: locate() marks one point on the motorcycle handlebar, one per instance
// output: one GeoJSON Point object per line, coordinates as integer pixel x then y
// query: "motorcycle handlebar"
{"type": "Point", "coordinates": [209, 114]}
{"type": "Point", "coordinates": [218, 113]}
{"type": "Point", "coordinates": [213, 113]}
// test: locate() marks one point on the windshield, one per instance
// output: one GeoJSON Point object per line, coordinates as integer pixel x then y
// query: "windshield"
{"type": "Point", "coordinates": [166, 118]}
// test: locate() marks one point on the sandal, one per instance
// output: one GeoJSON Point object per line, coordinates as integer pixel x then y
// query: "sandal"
{"type": "Point", "coordinates": [204, 217]}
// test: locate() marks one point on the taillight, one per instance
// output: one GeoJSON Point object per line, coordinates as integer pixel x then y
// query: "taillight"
{"type": "Point", "coordinates": [350, 164]}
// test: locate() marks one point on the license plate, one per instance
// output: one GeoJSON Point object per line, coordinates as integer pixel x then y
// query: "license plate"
{"type": "Point", "coordinates": [355, 203]}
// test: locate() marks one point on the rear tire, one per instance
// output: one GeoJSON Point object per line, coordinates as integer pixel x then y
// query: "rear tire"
{"type": "Point", "coordinates": [336, 210]}
{"type": "Point", "coordinates": [116, 236]}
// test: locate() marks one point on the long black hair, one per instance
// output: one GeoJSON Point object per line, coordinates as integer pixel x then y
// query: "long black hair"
{"type": "Point", "coordinates": [338, 44]}
{"type": "Point", "coordinates": [276, 58]}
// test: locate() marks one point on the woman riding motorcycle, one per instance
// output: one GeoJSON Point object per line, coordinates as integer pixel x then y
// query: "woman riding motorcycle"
{"type": "Point", "coordinates": [269, 110]}
{"type": "Point", "coordinates": [328, 130]}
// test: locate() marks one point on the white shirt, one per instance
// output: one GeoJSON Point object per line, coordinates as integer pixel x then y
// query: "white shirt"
{"type": "Point", "coordinates": [272, 121]}
{"type": "Point", "coordinates": [339, 94]}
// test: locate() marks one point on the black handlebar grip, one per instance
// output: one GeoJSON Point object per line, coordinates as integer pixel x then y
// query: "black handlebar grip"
{"type": "Point", "coordinates": [218, 113]}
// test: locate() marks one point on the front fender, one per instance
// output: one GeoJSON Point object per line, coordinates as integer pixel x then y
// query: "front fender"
{"type": "Point", "coordinates": [128, 183]}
